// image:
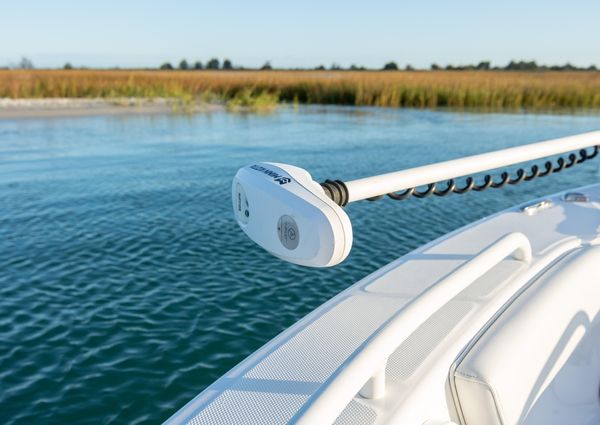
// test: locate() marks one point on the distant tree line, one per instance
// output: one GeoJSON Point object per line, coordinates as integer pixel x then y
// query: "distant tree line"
{"type": "Point", "coordinates": [487, 66]}
{"type": "Point", "coordinates": [214, 64]}
{"type": "Point", "coordinates": [226, 64]}
{"type": "Point", "coordinates": [515, 66]}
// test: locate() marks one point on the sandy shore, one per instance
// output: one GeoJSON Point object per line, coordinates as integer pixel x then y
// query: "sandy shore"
{"type": "Point", "coordinates": [69, 107]}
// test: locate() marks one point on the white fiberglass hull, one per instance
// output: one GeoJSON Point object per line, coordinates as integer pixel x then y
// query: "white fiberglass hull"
{"type": "Point", "coordinates": [506, 332]}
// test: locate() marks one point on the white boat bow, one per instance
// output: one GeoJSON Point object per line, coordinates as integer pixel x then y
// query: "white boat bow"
{"type": "Point", "coordinates": [495, 323]}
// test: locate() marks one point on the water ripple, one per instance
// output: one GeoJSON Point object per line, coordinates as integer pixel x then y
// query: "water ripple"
{"type": "Point", "coordinates": [126, 288]}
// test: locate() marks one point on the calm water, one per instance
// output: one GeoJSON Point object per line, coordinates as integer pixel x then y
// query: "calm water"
{"type": "Point", "coordinates": [126, 287]}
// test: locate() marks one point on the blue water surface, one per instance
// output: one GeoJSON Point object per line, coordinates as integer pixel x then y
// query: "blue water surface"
{"type": "Point", "coordinates": [125, 285]}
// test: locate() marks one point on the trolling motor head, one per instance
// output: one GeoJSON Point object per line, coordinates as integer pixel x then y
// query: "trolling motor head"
{"type": "Point", "coordinates": [282, 209]}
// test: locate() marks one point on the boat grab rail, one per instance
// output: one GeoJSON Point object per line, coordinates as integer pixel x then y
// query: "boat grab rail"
{"type": "Point", "coordinates": [364, 371]}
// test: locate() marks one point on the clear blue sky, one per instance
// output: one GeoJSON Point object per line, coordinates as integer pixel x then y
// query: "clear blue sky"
{"type": "Point", "coordinates": [299, 33]}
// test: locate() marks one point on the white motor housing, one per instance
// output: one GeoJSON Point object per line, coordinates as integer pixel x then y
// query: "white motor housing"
{"type": "Point", "coordinates": [288, 214]}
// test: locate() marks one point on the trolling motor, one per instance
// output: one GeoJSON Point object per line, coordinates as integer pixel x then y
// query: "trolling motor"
{"type": "Point", "coordinates": [286, 212]}
{"type": "Point", "coordinates": [282, 209]}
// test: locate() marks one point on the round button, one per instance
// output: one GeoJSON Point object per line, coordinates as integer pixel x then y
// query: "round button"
{"type": "Point", "coordinates": [287, 229]}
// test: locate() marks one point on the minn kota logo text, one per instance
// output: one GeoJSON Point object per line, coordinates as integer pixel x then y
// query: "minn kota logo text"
{"type": "Point", "coordinates": [276, 176]}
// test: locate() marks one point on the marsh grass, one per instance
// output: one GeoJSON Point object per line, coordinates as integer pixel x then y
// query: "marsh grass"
{"type": "Point", "coordinates": [257, 90]}
{"type": "Point", "coordinates": [253, 101]}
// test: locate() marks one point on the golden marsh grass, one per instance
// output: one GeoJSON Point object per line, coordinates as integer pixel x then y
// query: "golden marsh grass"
{"type": "Point", "coordinates": [420, 89]}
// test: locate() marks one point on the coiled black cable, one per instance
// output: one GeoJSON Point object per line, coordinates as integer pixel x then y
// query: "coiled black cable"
{"type": "Point", "coordinates": [489, 182]}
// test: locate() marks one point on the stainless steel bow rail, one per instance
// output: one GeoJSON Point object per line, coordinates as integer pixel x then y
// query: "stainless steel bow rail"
{"type": "Point", "coordinates": [403, 185]}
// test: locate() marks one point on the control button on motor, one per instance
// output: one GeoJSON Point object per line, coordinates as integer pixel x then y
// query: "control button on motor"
{"type": "Point", "coordinates": [242, 208]}
{"type": "Point", "coordinates": [287, 229]}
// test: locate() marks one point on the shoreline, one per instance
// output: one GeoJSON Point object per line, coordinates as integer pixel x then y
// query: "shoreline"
{"type": "Point", "coordinates": [69, 107]}
{"type": "Point", "coordinates": [76, 107]}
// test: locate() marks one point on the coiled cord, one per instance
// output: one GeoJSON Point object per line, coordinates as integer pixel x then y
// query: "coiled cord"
{"type": "Point", "coordinates": [488, 181]}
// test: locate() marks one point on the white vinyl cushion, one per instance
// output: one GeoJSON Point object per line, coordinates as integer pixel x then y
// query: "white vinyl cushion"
{"type": "Point", "coordinates": [539, 362]}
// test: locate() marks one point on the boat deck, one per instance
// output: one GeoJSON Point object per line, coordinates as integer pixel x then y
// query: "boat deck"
{"type": "Point", "coordinates": [279, 382]}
